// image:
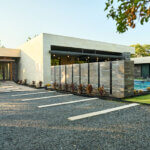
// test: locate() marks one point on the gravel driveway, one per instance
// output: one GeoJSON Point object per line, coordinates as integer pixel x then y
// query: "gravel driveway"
{"type": "Point", "coordinates": [25, 126]}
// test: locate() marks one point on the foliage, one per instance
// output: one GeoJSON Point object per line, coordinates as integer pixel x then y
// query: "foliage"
{"type": "Point", "coordinates": [72, 87]}
{"type": "Point", "coordinates": [101, 91]}
{"type": "Point", "coordinates": [29, 38]}
{"type": "Point", "coordinates": [20, 82]}
{"type": "Point", "coordinates": [1, 46]}
{"type": "Point", "coordinates": [127, 12]}
{"type": "Point", "coordinates": [40, 83]}
{"type": "Point", "coordinates": [54, 61]}
{"type": "Point", "coordinates": [140, 91]}
{"type": "Point", "coordinates": [80, 89]}
{"type": "Point", "coordinates": [25, 82]}
{"type": "Point", "coordinates": [89, 89]}
{"type": "Point", "coordinates": [60, 86]}
{"type": "Point", "coordinates": [141, 50]}
{"type": "Point", "coordinates": [66, 87]}
{"type": "Point", "coordinates": [135, 92]}
{"type": "Point", "coordinates": [54, 85]}
{"type": "Point", "coordinates": [148, 88]}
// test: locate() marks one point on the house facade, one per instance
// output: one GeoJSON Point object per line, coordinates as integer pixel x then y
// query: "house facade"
{"type": "Point", "coordinates": [33, 59]}
{"type": "Point", "coordinates": [141, 67]}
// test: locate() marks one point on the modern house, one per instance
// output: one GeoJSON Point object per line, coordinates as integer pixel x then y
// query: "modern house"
{"type": "Point", "coordinates": [9, 59]}
{"type": "Point", "coordinates": [33, 59]}
{"type": "Point", "coordinates": [142, 67]}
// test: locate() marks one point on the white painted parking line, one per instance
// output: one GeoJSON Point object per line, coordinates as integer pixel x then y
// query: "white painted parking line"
{"type": "Point", "coordinates": [101, 112]}
{"type": "Point", "coordinates": [40, 98]}
{"type": "Point", "coordinates": [33, 93]}
{"type": "Point", "coordinates": [65, 103]}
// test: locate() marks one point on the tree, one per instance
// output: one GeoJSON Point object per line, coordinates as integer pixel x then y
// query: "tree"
{"type": "Point", "coordinates": [1, 46]}
{"type": "Point", "coordinates": [126, 13]}
{"type": "Point", "coordinates": [29, 38]}
{"type": "Point", "coordinates": [141, 50]}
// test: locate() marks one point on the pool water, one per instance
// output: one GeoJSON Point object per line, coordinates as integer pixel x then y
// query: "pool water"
{"type": "Point", "coordinates": [141, 85]}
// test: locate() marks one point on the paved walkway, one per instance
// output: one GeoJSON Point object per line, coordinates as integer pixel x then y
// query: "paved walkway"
{"type": "Point", "coordinates": [9, 86]}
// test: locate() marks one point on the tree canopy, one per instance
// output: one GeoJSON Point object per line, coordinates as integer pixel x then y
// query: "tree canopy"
{"type": "Point", "coordinates": [141, 50]}
{"type": "Point", "coordinates": [1, 46]}
{"type": "Point", "coordinates": [126, 13]}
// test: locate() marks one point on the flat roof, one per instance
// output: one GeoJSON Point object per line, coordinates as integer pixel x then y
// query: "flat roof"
{"type": "Point", "coordinates": [141, 60]}
{"type": "Point", "coordinates": [66, 41]}
{"type": "Point", "coordinates": [8, 52]}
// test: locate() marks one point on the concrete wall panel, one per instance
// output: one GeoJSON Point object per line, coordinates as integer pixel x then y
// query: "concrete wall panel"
{"type": "Point", "coordinates": [84, 74]}
{"type": "Point", "coordinates": [76, 74]}
{"type": "Point", "coordinates": [69, 74]}
{"type": "Point", "coordinates": [94, 74]}
{"type": "Point", "coordinates": [63, 74]}
{"type": "Point", "coordinates": [105, 75]}
{"type": "Point", "coordinates": [52, 74]}
{"type": "Point", "coordinates": [57, 73]}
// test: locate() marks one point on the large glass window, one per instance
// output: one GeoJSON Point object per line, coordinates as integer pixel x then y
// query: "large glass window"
{"type": "Point", "coordinates": [4, 71]}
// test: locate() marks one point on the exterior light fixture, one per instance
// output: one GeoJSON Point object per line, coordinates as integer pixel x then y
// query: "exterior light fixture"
{"type": "Point", "coordinates": [68, 56]}
{"type": "Point", "coordinates": [54, 55]}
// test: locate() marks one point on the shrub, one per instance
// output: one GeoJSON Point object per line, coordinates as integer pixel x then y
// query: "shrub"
{"type": "Point", "coordinates": [80, 89]}
{"type": "Point", "coordinates": [24, 82]}
{"type": "Point", "coordinates": [140, 91]}
{"type": "Point", "coordinates": [101, 90]}
{"type": "Point", "coordinates": [89, 89]}
{"type": "Point", "coordinates": [66, 87]}
{"type": "Point", "coordinates": [135, 92]}
{"type": "Point", "coordinates": [40, 83]}
{"type": "Point", "coordinates": [72, 87]}
{"type": "Point", "coordinates": [148, 88]}
{"type": "Point", "coordinates": [54, 85]}
{"type": "Point", "coordinates": [33, 83]}
{"type": "Point", "coordinates": [60, 87]}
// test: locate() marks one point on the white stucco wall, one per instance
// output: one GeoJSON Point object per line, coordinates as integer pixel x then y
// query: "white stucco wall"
{"type": "Point", "coordinates": [31, 61]}
{"type": "Point", "coordinates": [86, 44]}
{"type": "Point", "coordinates": [141, 60]}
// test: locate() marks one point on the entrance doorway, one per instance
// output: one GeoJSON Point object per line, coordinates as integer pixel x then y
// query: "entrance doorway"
{"type": "Point", "coordinates": [5, 71]}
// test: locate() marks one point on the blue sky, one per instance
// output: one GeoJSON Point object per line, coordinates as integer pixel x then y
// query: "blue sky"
{"type": "Point", "coordinates": [78, 18]}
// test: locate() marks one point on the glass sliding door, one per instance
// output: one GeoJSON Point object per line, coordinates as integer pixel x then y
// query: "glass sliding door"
{"type": "Point", "coordinates": [4, 71]}
{"type": "Point", "coordinates": [1, 72]}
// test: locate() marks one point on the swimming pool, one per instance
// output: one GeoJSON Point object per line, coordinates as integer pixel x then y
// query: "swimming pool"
{"type": "Point", "coordinates": [141, 85]}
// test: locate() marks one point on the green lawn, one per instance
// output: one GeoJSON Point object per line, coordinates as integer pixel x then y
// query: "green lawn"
{"type": "Point", "coordinates": [140, 99]}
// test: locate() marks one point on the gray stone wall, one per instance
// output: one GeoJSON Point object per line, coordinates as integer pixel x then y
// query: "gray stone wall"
{"type": "Point", "coordinates": [76, 74]}
{"type": "Point", "coordinates": [69, 74]}
{"type": "Point", "coordinates": [105, 76]}
{"type": "Point", "coordinates": [63, 76]}
{"type": "Point", "coordinates": [129, 78]}
{"type": "Point", "coordinates": [118, 82]}
{"type": "Point", "coordinates": [84, 74]}
{"type": "Point", "coordinates": [117, 77]}
{"type": "Point", "coordinates": [137, 71]}
{"type": "Point", "coordinates": [57, 74]}
{"type": "Point", "coordinates": [52, 74]}
{"type": "Point", "coordinates": [93, 74]}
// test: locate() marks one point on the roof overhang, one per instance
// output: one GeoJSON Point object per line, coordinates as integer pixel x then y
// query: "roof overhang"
{"type": "Point", "coordinates": [7, 52]}
{"type": "Point", "coordinates": [65, 41]}
{"type": "Point", "coordinates": [141, 60]}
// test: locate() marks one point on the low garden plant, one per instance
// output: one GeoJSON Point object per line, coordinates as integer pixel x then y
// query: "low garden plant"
{"type": "Point", "coordinates": [80, 89]}
{"type": "Point", "coordinates": [40, 84]}
{"type": "Point", "coordinates": [72, 88]}
{"type": "Point", "coordinates": [101, 91]}
{"type": "Point", "coordinates": [89, 89]}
